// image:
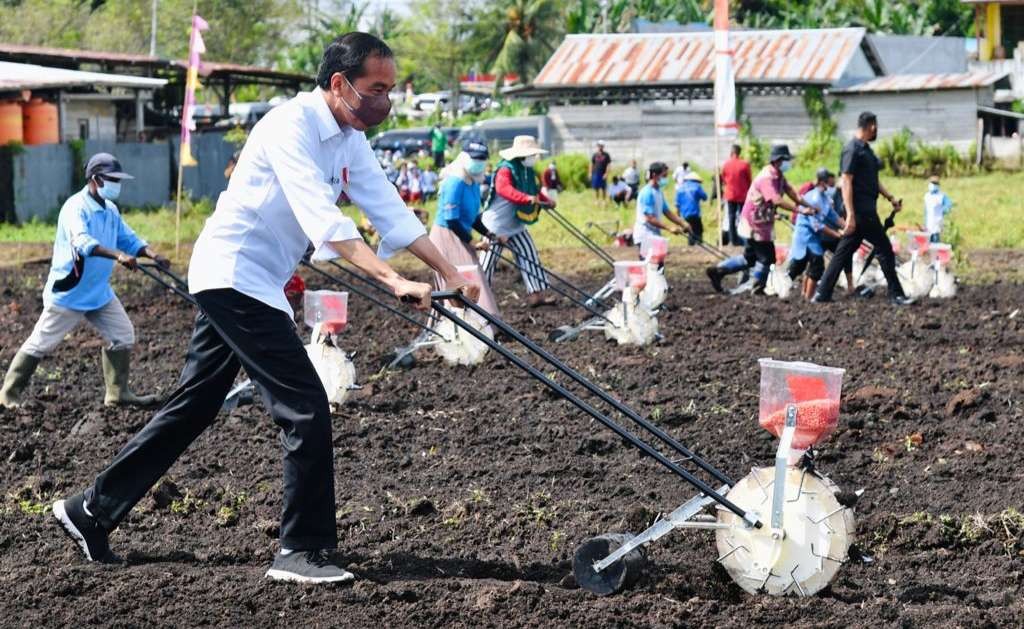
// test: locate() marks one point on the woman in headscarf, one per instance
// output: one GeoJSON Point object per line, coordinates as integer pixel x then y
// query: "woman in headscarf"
{"type": "Point", "coordinates": [458, 214]}
{"type": "Point", "coordinates": [511, 206]}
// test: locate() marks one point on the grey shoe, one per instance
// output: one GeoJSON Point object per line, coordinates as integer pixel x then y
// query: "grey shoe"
{"type": "Point", "coordinates": [18, 375]}
{"type": "Point", "coordinates": [116, 366]}
{"type": "Point", "coordinates": [308, 566]}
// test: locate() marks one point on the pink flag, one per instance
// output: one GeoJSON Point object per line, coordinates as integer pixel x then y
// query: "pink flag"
{"type": "Point", "coordinates": [196, 47]}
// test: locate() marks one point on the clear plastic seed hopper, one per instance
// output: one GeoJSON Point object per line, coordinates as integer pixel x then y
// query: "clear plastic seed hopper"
{"type": "Point", "coordinates": [326, 313]}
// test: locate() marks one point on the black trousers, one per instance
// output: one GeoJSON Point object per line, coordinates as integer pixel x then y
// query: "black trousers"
{"type": "Point", "coordinates": [869, 228]}
{"type": "Point", "coordinates": [729, 233]}
{"type": "Point", "coordinates": [696, 230]}
{"type": "Point", "coordinates": [234, 330]}
{"type": "Point", "coordinates": [813, 264]}
{"type": "Point", "coordinates": [831, 244]}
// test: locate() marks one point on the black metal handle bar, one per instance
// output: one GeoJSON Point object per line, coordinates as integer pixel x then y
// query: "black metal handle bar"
{"type": "Point", "coordinates": [579, 235]}
{"type": "Point", "coordinates": [560, 291]}
{"type": "Point", "coordinates": [598, 391]}
{"type": "Point", "coordinates": [184, 294]}
{"type": "Point", "coordinates": [380, 288]}
{"type": "Point", "coordinates": [437, 299]}
{"type": "Point", "coordinates": [180, 281]}
{"type": "Point", "coordinates": [370, 298]}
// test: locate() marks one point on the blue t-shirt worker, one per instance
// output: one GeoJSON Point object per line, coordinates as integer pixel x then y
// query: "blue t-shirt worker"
{"type": "Point", "coordinates": [689, 194]}
{"type": "Point", "coordinates": [807, 252]}
{"type": "Point", "coordinates": [91, 236]}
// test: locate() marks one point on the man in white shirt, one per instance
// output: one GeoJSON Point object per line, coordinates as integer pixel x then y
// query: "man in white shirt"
{"type": "Point", "coordinates": [680, 174]}
{"type": "Point", "coordinates": [632, 178]}
{"type": "Point", "coordinates": [282, 196]}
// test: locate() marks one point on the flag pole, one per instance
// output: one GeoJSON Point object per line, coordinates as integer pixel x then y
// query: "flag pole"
{"type": "Point", "coordinates": [717, 174]}
{"type": "Point", "coordinates": [181, 162]}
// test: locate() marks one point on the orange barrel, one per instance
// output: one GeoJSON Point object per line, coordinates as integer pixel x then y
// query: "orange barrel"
{"type": "Point", "coordinates": [40, 122]}
{"type": "Point", "coordinates": [10, 122]}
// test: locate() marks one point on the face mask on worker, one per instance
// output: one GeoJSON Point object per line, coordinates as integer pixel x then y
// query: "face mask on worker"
{"type": "Point", "coordinates": [372, 110]}
{"type": "Point", "coordinates": [785, 165]}
{"type": "Point", "coordinates": [662, 181]}
{"type": "Point", "coordinates": [475, 167]}
{"type": "Point", "coordinates": [530, 161]}
{"type": "Point", "coordinates": [110, 191]}
{"type": "Point", "coordinates": [933, 187]}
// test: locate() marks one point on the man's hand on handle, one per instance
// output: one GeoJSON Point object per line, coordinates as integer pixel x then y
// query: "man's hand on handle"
{"type": "Point", "coordinates": [415, 293]}
{"type": "Point", "coordinates": [469, 289]}
{"type": "Point", "coordinates": [127, 261]}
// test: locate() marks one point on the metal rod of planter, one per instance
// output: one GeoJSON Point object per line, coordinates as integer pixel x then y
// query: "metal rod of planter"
{"type": "Point", "coordinates": [591, 299]}
{"type": "Point", "coordinates": [579, 235]}
{"type": "Point", "coordinates": [374, 300]}
{"type": "Point", "coordinates": [437, 303]}
{"type": "Point", "coordinates": [148, 271]}
{"type": "Point", "coordinates": [564, 293]}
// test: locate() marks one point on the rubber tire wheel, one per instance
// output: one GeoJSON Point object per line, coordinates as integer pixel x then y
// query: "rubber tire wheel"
{"type": "Point", "coordinates": [615, 578]}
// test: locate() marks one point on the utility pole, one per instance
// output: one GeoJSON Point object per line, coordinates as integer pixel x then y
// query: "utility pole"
{"type": "Point", "coordinates": [152, 30]}
{"type": "Point", "coordinates": [604, 15]}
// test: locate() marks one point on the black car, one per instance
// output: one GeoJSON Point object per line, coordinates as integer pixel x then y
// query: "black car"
{"type": "Point", "coordinates": [409, 141]}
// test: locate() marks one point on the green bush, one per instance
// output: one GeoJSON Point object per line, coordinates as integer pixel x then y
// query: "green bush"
{"type": "Point", "coordinates": [904, 155]}
{"type": "Point", "coordinates": [572, 168]}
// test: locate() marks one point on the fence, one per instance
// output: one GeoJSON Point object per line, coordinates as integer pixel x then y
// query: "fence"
{"type": "Point", "coordinates": [36, 180]}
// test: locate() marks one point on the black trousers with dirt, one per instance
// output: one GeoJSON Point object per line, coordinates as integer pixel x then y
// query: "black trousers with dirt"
{"type": "Point", "coordinates": [234, 330]}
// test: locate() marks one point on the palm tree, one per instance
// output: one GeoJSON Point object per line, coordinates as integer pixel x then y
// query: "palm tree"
{"type": "Point", "coordinates": [518, 36]}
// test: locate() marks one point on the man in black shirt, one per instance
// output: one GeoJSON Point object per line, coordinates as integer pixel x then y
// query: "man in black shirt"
{"type": "Point", "coordinates": [860, 189]}
{"type": "Point", "coordinates": [597, 171]}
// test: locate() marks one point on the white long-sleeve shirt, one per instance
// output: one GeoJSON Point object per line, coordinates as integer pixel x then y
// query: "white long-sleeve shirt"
{"type": "Point", "coordinates": [283, 195]}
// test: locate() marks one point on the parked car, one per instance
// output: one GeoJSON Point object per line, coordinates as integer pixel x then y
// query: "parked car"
{"type": "Point", "coordinates": [409, 141]}
{"type": "Point", "coordinates": [431, 101]}
{"type": "Point", "coordinates": [498, 133]}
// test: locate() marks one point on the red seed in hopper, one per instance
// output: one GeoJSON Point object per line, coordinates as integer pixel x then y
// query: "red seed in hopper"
{"type": "Point", "coordinates": [815, 420]}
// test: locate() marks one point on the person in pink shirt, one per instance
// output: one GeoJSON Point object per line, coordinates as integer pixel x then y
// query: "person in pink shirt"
{"type": "Point", "coordinates": [767, 192]}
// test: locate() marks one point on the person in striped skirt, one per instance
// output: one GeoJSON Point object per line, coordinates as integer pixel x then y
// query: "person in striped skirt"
{"type": "Point", "coordinates": [513, 205]}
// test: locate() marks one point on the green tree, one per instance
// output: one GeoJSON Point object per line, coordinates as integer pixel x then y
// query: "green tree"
{"type": "Point", "coordinates": [518, 36]}
{"type": "Point", "coordinates": [437, 43]}
{"type": "Point", "coordinates": [320, 29]}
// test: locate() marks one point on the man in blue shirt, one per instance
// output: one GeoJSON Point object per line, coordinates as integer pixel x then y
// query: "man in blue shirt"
{"type": "Point", "coordinates": [689, 194]}
{"type": "Point", "coordinates": [91, 236]}
{"type": "Point", "coordinates": [652, 208]}
{"type": "Point", "coordinates": [806, 252]}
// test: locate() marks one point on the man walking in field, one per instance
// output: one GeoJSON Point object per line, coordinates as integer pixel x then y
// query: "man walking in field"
{"type": "Point", "coordinates": [861, 187]}
{"type": "Point", "coordinates": [295, 164]}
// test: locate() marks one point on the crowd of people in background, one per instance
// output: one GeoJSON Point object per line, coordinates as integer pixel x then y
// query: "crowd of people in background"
{"type": "Point", "coordinates": [751, 205]}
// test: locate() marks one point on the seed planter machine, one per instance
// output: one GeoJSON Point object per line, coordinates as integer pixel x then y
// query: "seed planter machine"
{"type": "Point", "coordinates": [783, 530]}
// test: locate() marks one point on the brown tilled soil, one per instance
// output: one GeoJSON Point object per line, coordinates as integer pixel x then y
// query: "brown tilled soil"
{"type": "Point", "coordinates": [462, 493]}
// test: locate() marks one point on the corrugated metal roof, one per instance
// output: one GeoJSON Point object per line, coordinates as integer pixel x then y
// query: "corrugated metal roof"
{"type": "Point", "coordinates": [923, 82]}
{"type": "Point", "coordinates": [817, 56]}
{"type": "Point", "coordinates": [26, 76]}
{"type": "Point", "coordinates": [43, 54]}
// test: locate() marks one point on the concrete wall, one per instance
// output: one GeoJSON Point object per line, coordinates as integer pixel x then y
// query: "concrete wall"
{"type": "Point", "coordinates": [99, 118]}
{"type": "Point", "coordinates": [669, 132]}
{"type": "Point", "coordinates": [935, 117]}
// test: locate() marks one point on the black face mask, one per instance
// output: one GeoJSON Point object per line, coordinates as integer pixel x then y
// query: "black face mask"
{"type": "Point", "coordinates": [372, 110]}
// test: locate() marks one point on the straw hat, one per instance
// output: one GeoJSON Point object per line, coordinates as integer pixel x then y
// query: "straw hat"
{"type": "Point", "coordinates": [522, 146]}
{"type": "Point", "coordinates": [692, 177]}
